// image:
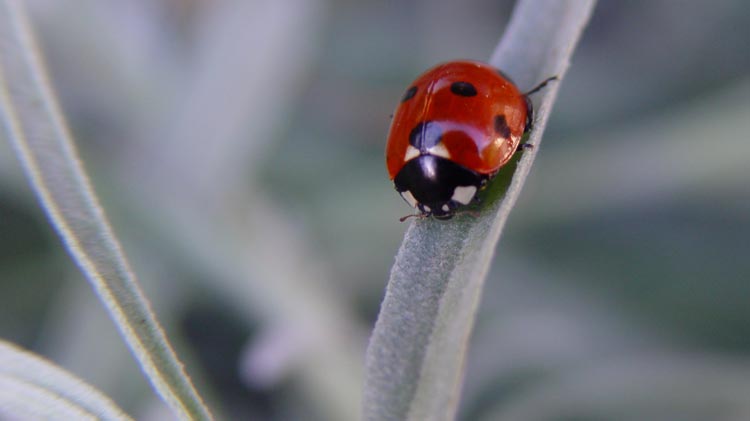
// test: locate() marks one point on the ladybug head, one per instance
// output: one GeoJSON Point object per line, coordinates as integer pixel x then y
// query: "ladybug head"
{"type": "Point", "coordinates": [437, 186]}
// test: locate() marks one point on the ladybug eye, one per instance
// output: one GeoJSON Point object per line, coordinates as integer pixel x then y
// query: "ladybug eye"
{"type": "Point", "coordinates": [463, 89]}
{"type": "Point", "coordinates": [409, 94]}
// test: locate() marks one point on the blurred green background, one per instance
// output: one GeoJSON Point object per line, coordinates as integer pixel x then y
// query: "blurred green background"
{"type": "Point", "coordinates": [237, 147]}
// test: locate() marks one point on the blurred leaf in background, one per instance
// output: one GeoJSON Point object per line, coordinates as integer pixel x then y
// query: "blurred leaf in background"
{"type": "Point", "coordinates": [238, 147]}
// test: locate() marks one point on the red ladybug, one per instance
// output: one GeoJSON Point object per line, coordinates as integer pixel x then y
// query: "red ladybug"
{"type": "Point", "coordinates": [456, 125]}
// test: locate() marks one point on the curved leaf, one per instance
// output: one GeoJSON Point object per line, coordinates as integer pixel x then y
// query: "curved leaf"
{"type": "Point", "coordinates": [34, 388]}
{"type": "Point", "coordinates": [42, 142]}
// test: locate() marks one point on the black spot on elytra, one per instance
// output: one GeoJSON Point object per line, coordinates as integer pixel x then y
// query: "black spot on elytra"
{"type": "Point", "coordinates": [409, 94]}
{"type": "Point", "coordinates": [463, 89]}
{"type": "Point", "coordinates": [425, 135]}
{"type": "Point", "coordinates": [501, 126]}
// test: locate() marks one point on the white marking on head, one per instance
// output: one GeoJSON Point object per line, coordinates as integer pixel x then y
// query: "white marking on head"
{"type": "Point", "coordinates": [440, 150]}
{"type": "Point", "coordinates": [464, 194]}
{"type": "Point", "coordinates": [409, 198]}
{"type": "Point", "coordinates": [427, 208]}
{"type": "Point", "coordinates": [446, 208]}
{"type": "Point", "coordinates": [411, 153]}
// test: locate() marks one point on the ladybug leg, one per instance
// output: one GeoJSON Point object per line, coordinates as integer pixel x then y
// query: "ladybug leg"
{"type": "Point", "coordinates": [529, 115]}
{"type": "Point", "coordinates": [524, 147]}
{"type": "Point", "coordinates": [529, 125]}
{"type": "Point", "coordinates": [483, 183]}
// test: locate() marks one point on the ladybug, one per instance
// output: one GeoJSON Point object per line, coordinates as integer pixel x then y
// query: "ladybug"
{"type": "Point", "coordinates": [456, 125]}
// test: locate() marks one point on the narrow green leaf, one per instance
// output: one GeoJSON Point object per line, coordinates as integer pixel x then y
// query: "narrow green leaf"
{"type": "Point", "coordinates": [47, 153]}
{"type": "Point", "coordinates": [414, 363]}
{"type": "Point", "coordinates": [34, 388]}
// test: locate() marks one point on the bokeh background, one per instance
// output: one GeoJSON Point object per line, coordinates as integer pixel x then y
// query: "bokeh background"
{"type": "Point", "coordinates": [237, 147]}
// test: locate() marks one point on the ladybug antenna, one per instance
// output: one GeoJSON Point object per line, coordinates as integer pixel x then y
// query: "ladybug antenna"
{"type": "Point", "coordinates": [539, 87]}
{"type": "Point", "coordinates": [413, 215]}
